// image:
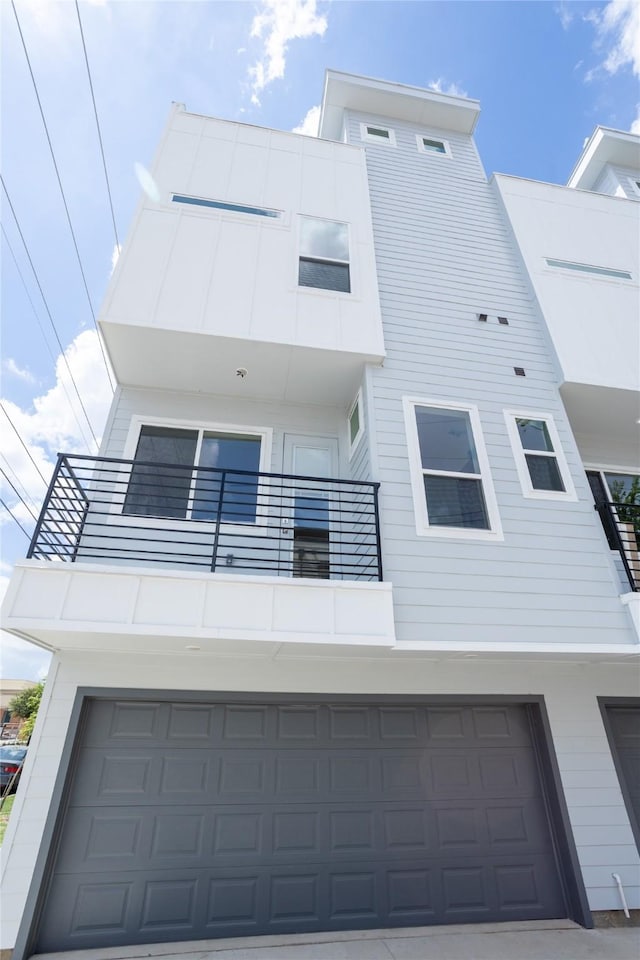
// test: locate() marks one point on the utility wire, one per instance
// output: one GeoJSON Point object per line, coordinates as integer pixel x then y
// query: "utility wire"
{"type": "Point", "coordinates": [50, 537]}
{"type": "Point", "coordinates": [15, 430]}
{"type": "Point", "coordinates": [50, 351]}
{"type": "Point", "coordinates": [95, 111]}
{"type": "Point", "coordinates": [44, 300]}
{"type": "Point", "coordinates": [64, 199]}
{"type": "Point", "coordinates": [21, 499]}
{"type": "Point", "coordinates": [13, 517]}
{"type": "Point", "coordinates": [20, 484]}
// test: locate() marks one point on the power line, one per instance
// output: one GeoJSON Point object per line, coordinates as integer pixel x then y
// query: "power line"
{"type": "Point", "coordinates": [15, 430]}
{"type": "Point", "coordinates": [95, 111]}
{"type": "Point", "coordinates": [19, 482]}
{"type": "Point", "coordinates": [21, 499]}
{"type": "Point", "coordinates": [64, 199]}
{"type": "Point", "coordinates": [44, 300]}
{"type": "Point", "coordinates": [46, 342]}
{"type": "Point", "coordinates": [13, 517]}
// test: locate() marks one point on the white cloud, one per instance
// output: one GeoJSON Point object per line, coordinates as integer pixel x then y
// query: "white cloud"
{"type": "Point", "coordinates": [635, 126]}
{"type": "Point", "coordinates": [566, 18]}
{"type": "Point", "coordinates": [21, 660]}
{"type": "Point", "coordinates": [22, 373]}
{"type": "Point", "coordinates": [441, 86]}
{"type": "Point", "coordinates": [50, 425]}
{"type": "Point", "coordinates": [309, 125]}
{"type": "Point", "coordinates": [620, 20]}
{"type": "Point", "coordinates": [276, 23]}
{"type": "Point", "coordinates": [617, 28]}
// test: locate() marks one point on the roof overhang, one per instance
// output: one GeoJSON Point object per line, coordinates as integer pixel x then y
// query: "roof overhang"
{"type": "Point", "coordinates": [605, 146]}
{"type": "Point", "coordinates": [346, 91]}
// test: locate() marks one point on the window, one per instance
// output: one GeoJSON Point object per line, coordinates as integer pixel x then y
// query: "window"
{"type": "Point", "coordinates": [374, 134]}
{"type": "Point", "coordinates": [622, 487]}
{"type": "Point", "coordinates": [540, 461]}
{"type": "Point", "coordinates": [355, 423]}
{"type": "Point", "coordinates": [169, 476]}
{"type": "Point", "coordinates": [585, 268]}
{"type": "Point", "coordinates": [324, 255]}
{"type": "Point", "coordinates": [452, 490]}
{"type": "Point", "coordinates": [220, 205]}
{"type": "Point", "coordinates": [429, 145]}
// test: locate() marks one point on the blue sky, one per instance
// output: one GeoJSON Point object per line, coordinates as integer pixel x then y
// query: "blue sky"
{"type": "Point", "coordinates": [545, 72]}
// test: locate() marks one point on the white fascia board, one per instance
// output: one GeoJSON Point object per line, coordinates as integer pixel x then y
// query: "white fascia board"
{"type": "Point", "coordinates": [346, 91]}
{"type": "Point", "coordinates": [543, 651]}
{"type": "Point", "coordinates": [605, 145]}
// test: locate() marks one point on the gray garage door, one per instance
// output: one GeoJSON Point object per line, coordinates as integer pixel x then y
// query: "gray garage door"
{"type": "Point", "coordinates": [195, 820]}
{"type": "Point", "coordinates": [624, 727]}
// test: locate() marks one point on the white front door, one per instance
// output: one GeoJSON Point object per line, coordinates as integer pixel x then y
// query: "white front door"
{"type": "Point", "coordinates": [307, 505]}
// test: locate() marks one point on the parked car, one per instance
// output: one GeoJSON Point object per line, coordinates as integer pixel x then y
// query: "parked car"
{"type": "Point", "coordinates": [11, 760]}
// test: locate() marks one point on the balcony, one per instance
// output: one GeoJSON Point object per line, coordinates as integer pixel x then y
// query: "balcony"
{"type": "Point", "coordinates": [125, 511]}
{"type": "Point", "coordinates": [162, 558]}
{"type": "Point", "coordinates": [621, 524]}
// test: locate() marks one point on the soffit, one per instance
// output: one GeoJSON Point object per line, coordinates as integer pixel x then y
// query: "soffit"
{"type": "Point", "coordinates": [344, 91]}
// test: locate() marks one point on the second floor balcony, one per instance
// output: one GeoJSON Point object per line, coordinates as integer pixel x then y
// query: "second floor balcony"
{"type": "Point", "coordinates": [145, 557]}
{"type": "Point", "coordinates": [232, 521]}
{"type": "Point", "coordinates": [621, 522]}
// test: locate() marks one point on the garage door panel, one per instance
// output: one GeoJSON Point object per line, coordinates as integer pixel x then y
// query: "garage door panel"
{"type": "Point", "coordinates": [198, 820]}
{"type": "Point", "coordinates": [245, 726]}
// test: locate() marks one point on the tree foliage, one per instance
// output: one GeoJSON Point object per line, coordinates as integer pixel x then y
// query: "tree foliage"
{"type": "Point", "coordinates": [25, 705]}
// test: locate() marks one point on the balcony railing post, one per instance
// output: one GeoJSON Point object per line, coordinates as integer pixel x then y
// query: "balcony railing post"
{"type": "Point", "coordinates": [216, 537]}
{"type": "Point", "coordinates": [45, 506]}
{"type": "Point", "coordinates": [376, 514]}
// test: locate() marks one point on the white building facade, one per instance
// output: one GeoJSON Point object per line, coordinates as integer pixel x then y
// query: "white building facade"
{"type": "Point", "coordinates": [340, 638]}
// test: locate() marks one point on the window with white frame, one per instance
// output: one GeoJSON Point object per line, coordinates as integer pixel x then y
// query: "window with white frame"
{"type": "Point", "coordinates": [540, 461]}
{"type": "Point", "coordinates": [183, 473]}
{"type": "Point", "coordinates": [355, 423]}
{"type": "Point", "coordinates": [324, 255]}
{"type": "Point", "coordinates": [372, 133]}
{"type": "Point", "coordinates": [452, 488]}
{"type": "Point", "coordinates": [433, 145]}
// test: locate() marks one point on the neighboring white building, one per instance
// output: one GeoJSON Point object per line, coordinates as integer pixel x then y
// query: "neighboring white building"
{"type": "Point", "coordinates": [340, 640]}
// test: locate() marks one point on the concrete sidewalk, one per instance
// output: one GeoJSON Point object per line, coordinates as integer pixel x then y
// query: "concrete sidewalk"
{"type": "Point", "coordinates": [535, 940]}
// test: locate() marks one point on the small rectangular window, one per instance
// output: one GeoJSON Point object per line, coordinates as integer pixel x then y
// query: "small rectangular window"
{"type": "Point", "coordinates": [586, 268]}
{"type": "Point", "coordinates": [375, 134]}
{"type": "Point", "coordinates": [356, 423]}
{"type": "Point", "coordinates": [221, 205]}
{"type": "Point", "coordinates": [540, 461]}
{"type": "Point", "coordinates": [431, 145]}
{"type": "Point", "coordinates": [452, 490]}
{"type": "Point", "coordinates": [324, 255]}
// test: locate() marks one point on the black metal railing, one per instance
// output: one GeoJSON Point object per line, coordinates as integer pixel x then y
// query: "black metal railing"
{"type": "Point", "coordinates": [138, 512]}
{"type": "Point", "coordinates": [621, 524]}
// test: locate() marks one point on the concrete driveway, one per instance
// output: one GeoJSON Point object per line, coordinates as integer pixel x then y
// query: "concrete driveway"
{"type": "Point", "coordinates": [538, 940]}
